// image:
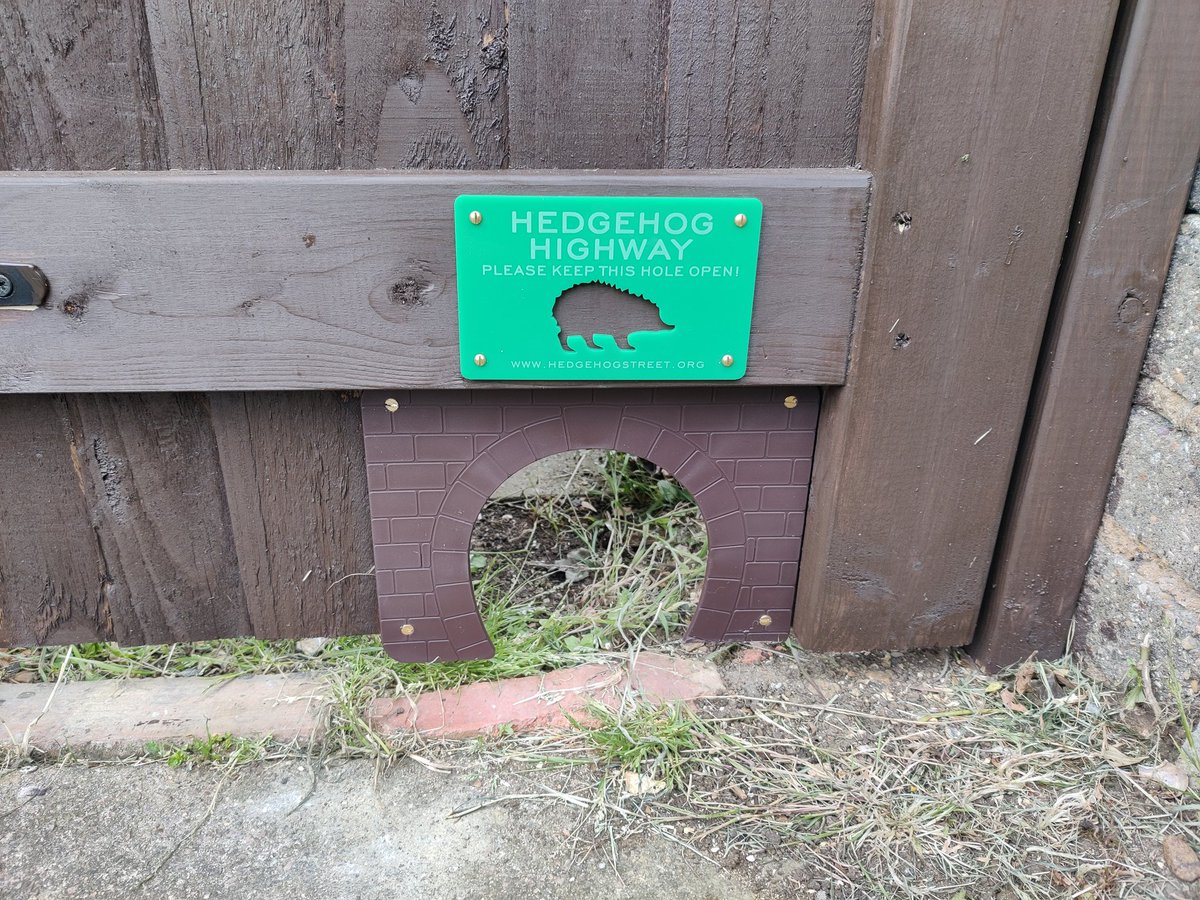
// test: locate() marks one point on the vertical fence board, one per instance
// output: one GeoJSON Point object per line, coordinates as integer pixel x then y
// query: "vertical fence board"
{"type": "Point", "coordinates": [975, 121]}
{"type": "Point", "coordinates": [296, 482]}
{"type": "Point", "coordinates": [1132, 197]}
{"type": "Point", "coordinates": [250, 85]}
{"type": "Point", "coordinates": [261, 86]}
{"type": "Point", "coordinates": [149, 466]}
{"type": "Point", "coordinates": [53, 586]}
{"type": "Point", "coordinates": [765, 84]}
{"type": "Point", "coordinates": [75, 88]}
{"type": "Point", "coordinates": [587, 83]}
{"type": "Point", "coordinates": [119, 556]}
{"type": "Point", "coordinates": [425, 87]}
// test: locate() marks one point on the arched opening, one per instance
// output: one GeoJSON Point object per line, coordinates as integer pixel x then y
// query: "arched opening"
{"type": "Point", "coordinates": [434, 458]}
{"type": "Point", "coordinates": [587, 550]}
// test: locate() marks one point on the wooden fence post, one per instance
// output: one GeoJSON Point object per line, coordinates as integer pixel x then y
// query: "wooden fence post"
{"type": "Point", "coordinates": [974, 125]}
{"type": "Point", "coordinates": [1135, 184]}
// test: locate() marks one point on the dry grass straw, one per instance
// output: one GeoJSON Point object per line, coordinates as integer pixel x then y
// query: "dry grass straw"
{"type": "Point", "coordinates": [989, 793]}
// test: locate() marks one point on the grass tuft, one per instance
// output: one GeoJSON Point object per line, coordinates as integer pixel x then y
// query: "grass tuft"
{"type": "Point", "coordinates": [650, 740]}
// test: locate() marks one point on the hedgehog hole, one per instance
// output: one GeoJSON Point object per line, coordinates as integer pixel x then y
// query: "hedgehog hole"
{"type": "Point", "coordinates": [589, 549]}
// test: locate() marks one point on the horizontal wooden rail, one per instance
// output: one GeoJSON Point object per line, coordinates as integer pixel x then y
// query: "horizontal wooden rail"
{"type": "Point", "coordinates": [287, 280]}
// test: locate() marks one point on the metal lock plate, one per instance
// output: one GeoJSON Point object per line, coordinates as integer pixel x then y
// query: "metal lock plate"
{"type": "Point", "coordinates": [22, 286]}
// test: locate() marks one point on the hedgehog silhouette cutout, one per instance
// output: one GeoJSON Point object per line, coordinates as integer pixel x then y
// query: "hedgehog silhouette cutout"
{"type": "Point", "coordinates": [595, 308]}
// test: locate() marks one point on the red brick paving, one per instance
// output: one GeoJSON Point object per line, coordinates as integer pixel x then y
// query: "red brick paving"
{"type": "Point", "coordinates": [545, 701]}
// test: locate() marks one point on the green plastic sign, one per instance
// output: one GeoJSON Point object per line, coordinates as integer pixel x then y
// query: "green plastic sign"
{"type": "Point", "coordinates": [605, 288]}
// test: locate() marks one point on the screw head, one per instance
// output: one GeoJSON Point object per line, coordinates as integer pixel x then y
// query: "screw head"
{"type": "Point", "coordinates": [1130, 309]}
{"type": "Point", "coordinates": [6, 286]}
{"type": "Point", "coordinates": [391, 404]}
{"type": "Point", "coordinates": [790, 401]}
{"type": "Point", "coordinates": [476, 217]}
{"type": "Point", "coordinates": [480, 359]}
{"type": "Point", "coordinates": [740, 220]}
{"type": "Point", "coordinates": [764, 621]}
{"type": "Point", "coordinates": [727, 360]}
{"type": "Point", "coordinates": [406, 629]}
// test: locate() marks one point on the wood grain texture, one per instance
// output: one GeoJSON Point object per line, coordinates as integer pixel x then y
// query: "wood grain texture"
{"type": "Point", "coordinates": [148, 468]}
{"type": "Point", "coordinates": [76, 90]}
{"type": "Point", "coordinates": [587, 83]}
{"type": "Point", "coordinates": [263, 86]}
{"type": "Point", "coordinates": [765, 84]}
{"type": "Point", "coordinates": [97, 541]}
{"type": "Point", "coordinates": [425, 86]}
{"type": "Point", "coordinates": [53, 578]}
{"type": "Point", "coordinates": [296, 492]}
{"type": "Point", "coordinates": [1136, 182]}
{"type": "Point", "coordinates": [975, 120]}
{"type": "Point", "coordinates": [122, 84]}
{"type": "Point", "coordinates": [249, 85]}
{"type": "Point", "coordinates": [286, 281]}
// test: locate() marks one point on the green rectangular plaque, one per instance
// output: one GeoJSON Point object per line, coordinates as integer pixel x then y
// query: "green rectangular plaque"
{"type": "Point", "coordinates": [605, 288]}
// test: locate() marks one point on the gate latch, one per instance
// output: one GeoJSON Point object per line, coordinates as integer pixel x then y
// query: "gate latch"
{"type": "Point", "coordinates": [22, 286]}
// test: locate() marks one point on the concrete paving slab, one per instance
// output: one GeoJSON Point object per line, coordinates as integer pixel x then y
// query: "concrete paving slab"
{"type": "Point", "coordinates": [118, 716]}
{"type": "Point", "coordinates": [288, 830]}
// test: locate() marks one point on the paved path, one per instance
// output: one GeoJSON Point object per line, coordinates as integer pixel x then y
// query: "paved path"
{"type": "Point", "coordinates": [274, 832]}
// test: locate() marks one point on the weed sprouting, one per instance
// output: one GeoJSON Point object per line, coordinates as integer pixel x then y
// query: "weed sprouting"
{"type": "Point", "coordinates": [217, 749]}
{"type": "Point", "coordinates": [648, 739]}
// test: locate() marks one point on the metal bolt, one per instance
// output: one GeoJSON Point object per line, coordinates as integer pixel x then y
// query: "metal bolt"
{"type": "Point", "coordinates": [740, 220]}
{"type": "Point", "coordinates": [764, 621]}
{"type": "Point", "coordinates": [790, 401]}
{"type": "Point", "coordinates": [1129, 311]}
{"type": "Point", "coordinates": [480, 359]}
{"type": "Point", "coordinates": [6, 286]}
{"type": "Point", "coordinates": [476, 217]}
{"type": "Point", "coordinates": [406, 629]}
{"type": "Point", "coordinates": [727, 360]}
{"type": "Point", "coordinates": [391, 404]}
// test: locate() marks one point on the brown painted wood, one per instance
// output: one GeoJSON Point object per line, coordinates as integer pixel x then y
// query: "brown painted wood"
{"type": "Point", "coordinates": [263, 86]}
{"type": "Point", "coordinates": [587, 85]}
{"type": "Point", "coordinates": [426, 84]}
{"type": "Point", "coordinates": [96, 538]}
{"type": "Point", "coordinates": [975, 121]}
{"type": "Point", "coordinates": [395, 83]}
{"type": "Point", "coordinates": [296, 495]}
{"type": "Point", "coordinates": [53, 584]}
{"type": "Point", "coordinates": [238, 281]}
{"type": "Point", "coordinates": [1136, 183]}
{"type": "Point", "coordinates": [248, 85]}
{"type": "Point", "coordinates": [75, 87]}
{"type": "Point", "coordinates": [153, 482]}
{"type": "Point", "coordinates": [765, 84]}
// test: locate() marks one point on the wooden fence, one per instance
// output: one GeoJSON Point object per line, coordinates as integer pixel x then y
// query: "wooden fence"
{"type": "Point", "coordinates": [181, 486]}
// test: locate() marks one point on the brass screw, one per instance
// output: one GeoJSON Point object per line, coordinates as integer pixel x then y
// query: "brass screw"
{"type": "Point", "coordinates": [790, 401]}
{"type": "Point", "coordinates": [727, 360]}
{"type": "Point", "coordinates": [480, 359]}
{"type": "Point", "coordinates": [391, 404]}
{"type": "Point", "coordinates": [406, 629]}
{"type": "Point", "coordinates": [740, 220]}
{"type": "Point", "coordinates": [476, 217]}
{"type": "Point", "coordinates": [764, 621]}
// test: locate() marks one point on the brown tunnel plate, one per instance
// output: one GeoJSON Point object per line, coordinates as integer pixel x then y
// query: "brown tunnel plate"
{"type": "Point", "coordinates": [433, 461]}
